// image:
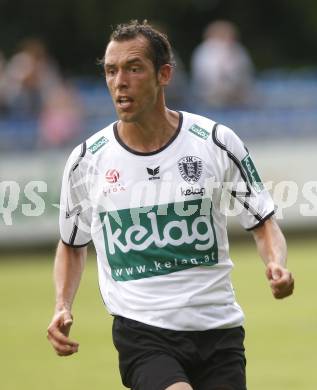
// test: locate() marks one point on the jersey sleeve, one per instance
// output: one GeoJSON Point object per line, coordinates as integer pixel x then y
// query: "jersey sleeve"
{"type": "Point", "coordinates": [75, 210]}
{"type": "Point", "coordinates": [253, 202]}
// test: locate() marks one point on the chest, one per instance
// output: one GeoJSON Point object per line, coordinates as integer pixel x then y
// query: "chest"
{"type": "Point", "coordinates": [127, 181]}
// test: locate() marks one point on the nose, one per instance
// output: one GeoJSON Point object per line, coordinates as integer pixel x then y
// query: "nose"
{"type": "Point", "coordinates": [121, 79]}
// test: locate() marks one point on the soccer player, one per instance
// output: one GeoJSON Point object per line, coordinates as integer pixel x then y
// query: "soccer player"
{"type": "Point", "coordinates": [150, 191]}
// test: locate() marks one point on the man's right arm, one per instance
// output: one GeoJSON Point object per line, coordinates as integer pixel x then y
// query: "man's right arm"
{"type": "Point", "coordinates": [69, 266]}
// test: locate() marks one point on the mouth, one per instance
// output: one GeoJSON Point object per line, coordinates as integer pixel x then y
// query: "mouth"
{"type": "Point", "coordinates": [124, 102]}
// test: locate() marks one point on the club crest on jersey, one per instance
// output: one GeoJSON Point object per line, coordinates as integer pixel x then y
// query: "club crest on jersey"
{"type": "Point", "coordinates": [190, 168]}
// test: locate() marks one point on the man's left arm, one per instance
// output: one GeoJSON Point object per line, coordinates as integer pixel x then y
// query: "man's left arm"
{"type": "Point", "coordinates": [272, 248]}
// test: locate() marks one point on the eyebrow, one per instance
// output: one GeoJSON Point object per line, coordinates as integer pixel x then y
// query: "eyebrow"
{"type": "Point", "coordinates": [129, 62]}
{"type": "Point", "coordinates": [133, 60]}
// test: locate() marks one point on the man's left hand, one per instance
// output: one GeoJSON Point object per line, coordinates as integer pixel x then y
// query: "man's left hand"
{"type": "Point", "coordinates": [281, 280]}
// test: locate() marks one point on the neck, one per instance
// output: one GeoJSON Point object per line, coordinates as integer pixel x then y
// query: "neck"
{"type": "Point", "coordinates": [150, 133]}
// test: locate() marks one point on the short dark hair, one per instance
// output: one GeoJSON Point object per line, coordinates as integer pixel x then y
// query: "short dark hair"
{"type": "Point", "coordinates": [160, 51]}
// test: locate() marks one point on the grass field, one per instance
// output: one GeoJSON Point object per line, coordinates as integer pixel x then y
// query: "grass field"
{"type": "Point", "coordinates": [281, 338]}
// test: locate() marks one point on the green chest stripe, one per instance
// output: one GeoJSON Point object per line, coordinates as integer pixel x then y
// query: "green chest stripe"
{"type": "Point", "coordinates": [158, 240]}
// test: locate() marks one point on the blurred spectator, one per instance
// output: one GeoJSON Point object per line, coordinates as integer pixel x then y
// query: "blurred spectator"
{"type": "Point", "coordinates": [2, 84]}
{"type": "Point", "coordinates": [222, 71]}
{"type": "Point", "coordinates": [29, 76]}
{"type": "Point", "coordinates": [61, 117]}
{"type": "Point", "coordinates": [33, 88]}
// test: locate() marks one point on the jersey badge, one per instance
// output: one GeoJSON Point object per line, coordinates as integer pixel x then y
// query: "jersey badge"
{"type": "Point", "coordinates": [153, 173]}
{"type": "Point", "coordinates": [98, 145]}
{"type": "Point", "coordinates": [190, 168]}
{"type": "Point", "coordinates": [112, 176]}
{"type": "Point", "coordinates": [199, 131]}
{"type": "Point", "coordinates": [252, 173]}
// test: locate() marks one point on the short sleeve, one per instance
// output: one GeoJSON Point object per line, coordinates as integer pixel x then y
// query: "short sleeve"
{"type": "Point", "coordinates": [252, 200]}
{"type": "Point", "coordinates": [75, 210]}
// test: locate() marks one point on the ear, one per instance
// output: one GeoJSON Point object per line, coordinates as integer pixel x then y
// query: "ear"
{"type": "Point", "coordinates": [165, 74]}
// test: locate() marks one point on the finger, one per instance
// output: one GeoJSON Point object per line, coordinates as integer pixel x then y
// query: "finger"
{"type": "Point", "coordinates": [67, 318]}
{"type": "Point", "coordinates": [62, 346]}
{"type": "Point", "coordinates": [57, 335]}
{"type": "Point", "coordinates": [65, 328]}
{"type": "Point", "coordinates": [283, 291]}
{"type": "Point", "coordinates": [68, 322]}
{"type": "Point", "coordinates": [64, 354]}
{"type": "Point", "coordinates": [62, 349]}
{"type": "Point", "coordinates": [284, 279]}
{"type": "Point", "coordinates": [64, 321]}
{"type": "Point", "coordinates": [268, 273]}
{"type": "Point", "coordinates": [273, 272]}
{"type": "Point", "coordinates": [277, 273]}
{"type": "Point", "coordinates": [278, 284]}
{"type": "Point", "coordinates": [282, 294]}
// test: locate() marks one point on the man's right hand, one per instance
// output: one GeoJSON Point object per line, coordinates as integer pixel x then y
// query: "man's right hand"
{"type": "Point", "coordinates": [58, 331]}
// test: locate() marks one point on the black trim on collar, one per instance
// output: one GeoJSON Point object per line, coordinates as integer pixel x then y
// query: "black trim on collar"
{"type": "Point", "coordinates": [171, 140]}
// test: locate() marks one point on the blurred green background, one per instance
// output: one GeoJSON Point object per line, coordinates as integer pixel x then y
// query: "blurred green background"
{"type": "Point", "coordinates": [280, 335]}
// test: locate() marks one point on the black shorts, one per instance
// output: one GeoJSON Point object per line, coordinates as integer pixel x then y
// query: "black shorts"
{"type": "Point", "coordinates": [152, 358]}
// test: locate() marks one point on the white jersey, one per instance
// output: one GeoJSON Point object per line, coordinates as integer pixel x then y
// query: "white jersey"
{"type": "Point", "coordinates": [158, 224]}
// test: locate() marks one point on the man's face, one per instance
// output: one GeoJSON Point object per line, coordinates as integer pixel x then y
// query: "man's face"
{"type": "Point", "coordinates": [131, 78]}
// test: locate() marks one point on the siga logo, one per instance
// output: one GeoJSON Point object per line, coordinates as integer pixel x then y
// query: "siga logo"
{"type": "Point", "coordinates": [112, 176]}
